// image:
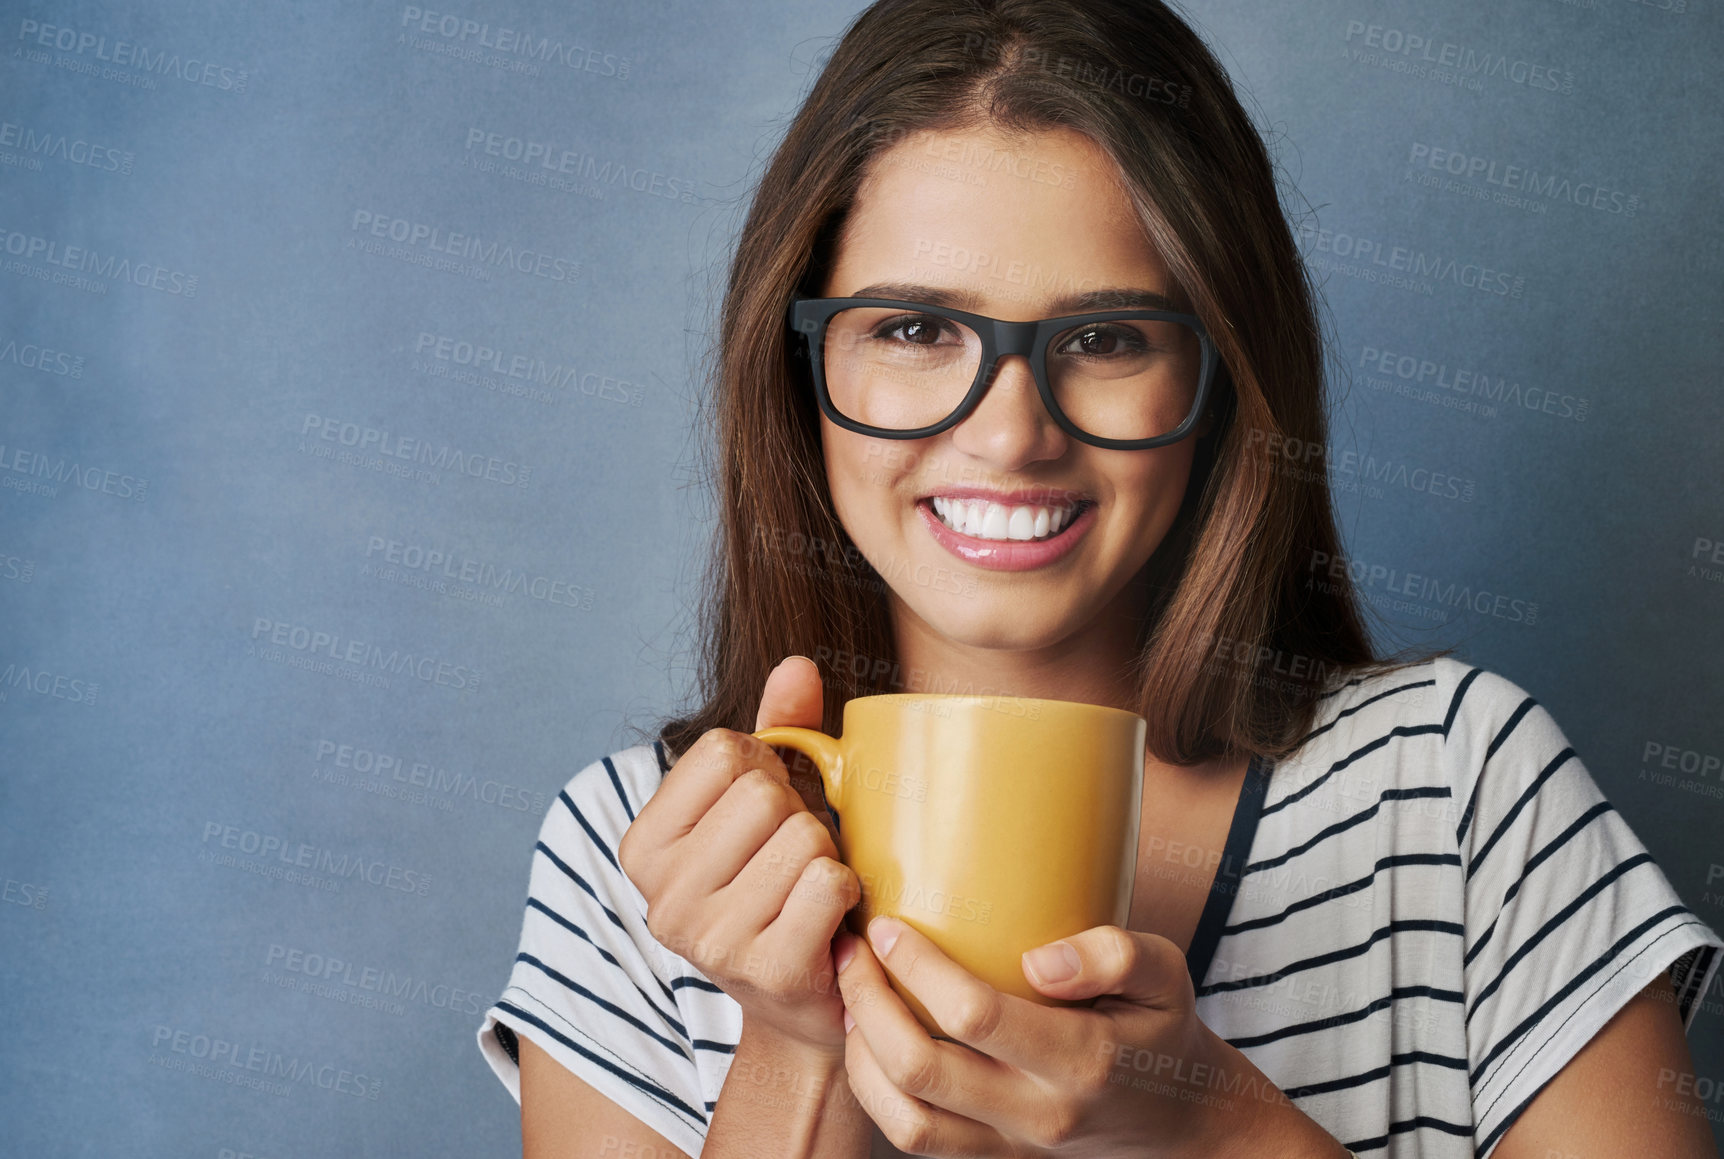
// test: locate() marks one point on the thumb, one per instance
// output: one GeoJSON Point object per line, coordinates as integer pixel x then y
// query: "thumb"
{"type": "Point", "coordinates": [793, 695]}
{"type": "Point", "coordinates": [1143, 968]}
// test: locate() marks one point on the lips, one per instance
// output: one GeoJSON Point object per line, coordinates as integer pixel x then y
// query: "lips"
{"type": "Point", "coordinates": [1008, 554]}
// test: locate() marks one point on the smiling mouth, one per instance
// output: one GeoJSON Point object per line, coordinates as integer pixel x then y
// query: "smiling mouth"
{"type": "Point", "coordinates": [1006, 523]}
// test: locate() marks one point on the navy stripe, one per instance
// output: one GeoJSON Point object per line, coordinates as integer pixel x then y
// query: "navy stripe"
{"type": "Point", "coordinates": [1373, 746]}
{"type": "Point", "coordinates": [634, 1080]}
{"type": "Point", "coordinates": [1460, 694]}
{"type": "Point", "coordinates": [1356, 819]}
{"type": "Point", "coordinates": [1526, 706]}
{"type": "Point", "coordinates": [1358, 1080]}
{"type": "Point", "coordinates": [591, 833]}
{"type": "Point", "coordinates": [535, 903]}
{"type": "Point", "coordinates": [1350, 1016]}
{"type": "Point", "coordinates": [1527, 794]}
{"type": "Point", "coordinates": [1346, 712]}
{"type": "Point", "coordinates": [1533, 863]}
{"type": "Point", "coordinates": [1555, 1000]}
{"type": "Point", "coordinates": [663, 760]}
{"type": "Point", "coordinates": [686, 983]}
{"type": "Point", "coordinates": [1339, 689]}
{"type": "Point", "coordinates": [1225, 886]}
{"type": "Point", "coordinates": [616, 781]}
{"type": "Point", "coordinates": [1699, 961]}
{"type": "Point", "coordinates": [1401, 1127]}
{"type": "Point", "coordinates": [603, 1003]}
{"type": "Point", "coordinates": [582, 882]}
{"type": "Point", "coordinates": [1538, 1014]}
{"type": "Point", "coordinates": [1343, 890]}
{"type": "Point", "coordinates": [1561, 917]}
{"type": "Point", "coordinates": [715, 1047]}
{"type": "Point", "coordinates": [1406, 925]}
{"type": "Point", "coordinates": [1496, 743]}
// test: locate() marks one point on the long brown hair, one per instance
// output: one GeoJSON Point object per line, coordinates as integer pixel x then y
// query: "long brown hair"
{"type": "Point", "coordinates": [1247, 630]}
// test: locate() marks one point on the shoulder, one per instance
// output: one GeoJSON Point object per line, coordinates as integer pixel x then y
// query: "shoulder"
{"type": "Point", "coordinates": [1428, 728]}
{"type": "Point", "coordinates": [1462, 705]}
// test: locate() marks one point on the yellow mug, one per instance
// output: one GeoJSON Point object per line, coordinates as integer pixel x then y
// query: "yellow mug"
{"type": "Point", "coordinates": [992, 824]}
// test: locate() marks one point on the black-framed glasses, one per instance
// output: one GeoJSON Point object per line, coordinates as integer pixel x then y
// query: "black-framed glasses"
{"type": "Point", "coordinates": [1121, 379]}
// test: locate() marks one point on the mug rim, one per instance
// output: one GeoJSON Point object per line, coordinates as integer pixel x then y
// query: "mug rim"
{"type": "Point", "coordinates": [979, 698]}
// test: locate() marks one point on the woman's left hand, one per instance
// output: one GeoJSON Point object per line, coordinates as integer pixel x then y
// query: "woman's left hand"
{"type": "Point", "coordinates": [1137, 1073]}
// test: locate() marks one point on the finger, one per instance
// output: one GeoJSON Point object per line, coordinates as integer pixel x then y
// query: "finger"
{"type": "Point", "coordinates": [1003, 1026]}
{"type": "Point", "coordinates": [825, 891]}
{"type": "Point", "coordinates": [762, 887]}
{"type": "Point", "coordinates": [697, 780]}
{"type": "Point", "coordinates": [908, 1123]}
{"type": "Point", "coordinates": [1146, 969]}
{"type": "Point", "coordinates": [942, 1074]}
{"type": "Point", "coordinates": [739, 825]}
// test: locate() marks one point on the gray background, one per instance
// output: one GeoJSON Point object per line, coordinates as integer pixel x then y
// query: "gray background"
{"type": "Point", "coordinates": [172, 538]}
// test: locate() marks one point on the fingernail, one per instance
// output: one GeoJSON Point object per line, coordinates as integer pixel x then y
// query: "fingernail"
{"type": "Point", "coordinates": [883, 935]}
{"type": "Point", "coordinates": [1052, 963]}
{"type": "Point", "coordinates": [849, 1022]}
{"type": "Point", "coordinates": [846, 951]}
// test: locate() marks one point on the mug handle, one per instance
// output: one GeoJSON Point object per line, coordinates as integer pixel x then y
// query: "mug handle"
{"type": "Point", "coordinates": [823, 750]}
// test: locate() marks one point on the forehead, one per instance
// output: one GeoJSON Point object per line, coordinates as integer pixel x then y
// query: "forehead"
{"type": "Point", "coordinates": [1016, 220]}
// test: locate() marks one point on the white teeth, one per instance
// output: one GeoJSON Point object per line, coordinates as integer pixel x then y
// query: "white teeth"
{"type": "Point", "coordinates": [984, 520]}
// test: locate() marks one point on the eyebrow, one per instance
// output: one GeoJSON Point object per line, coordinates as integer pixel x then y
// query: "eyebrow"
{"type": "Point", "coordinates": [1112, 298]}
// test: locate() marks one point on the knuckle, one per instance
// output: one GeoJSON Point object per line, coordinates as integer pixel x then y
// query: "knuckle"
{"type": "Point", "coordinates": [1094, 1076]}
{"type": "Point", "coordinates": [1123, 951]}
{"type": "Point", "coordinates": [761, 790]}
{"type": "Point", "coordinates": [975, 1016]}
{"type": "Point", "coordinates": [810, 834]}
{"type": "Point", "coordinates": [1054, 1127]}
{"type": "Point", "coordinates": [915, 1132]}
{"type": "Point", "coordinates": [915, 1070]}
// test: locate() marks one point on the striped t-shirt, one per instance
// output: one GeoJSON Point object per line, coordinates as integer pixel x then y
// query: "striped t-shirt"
{"type": "Point", "coordinates": [1418, 918]}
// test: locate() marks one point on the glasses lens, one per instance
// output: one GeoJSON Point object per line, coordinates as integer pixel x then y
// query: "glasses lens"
{"type": "Point", "coordinates": [1126, 378]}
{"type": "Point", "coordinates": [898, 369]}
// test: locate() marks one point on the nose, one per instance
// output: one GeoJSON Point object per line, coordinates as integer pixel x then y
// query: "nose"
{"type": "Point", "coordinates": [1010, 425]}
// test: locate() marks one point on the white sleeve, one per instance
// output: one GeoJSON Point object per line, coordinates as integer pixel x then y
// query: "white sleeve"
{"type": "Point", "coordinates": [1567, 916]}
{"type": "Point", "coordinates": [585, 986]}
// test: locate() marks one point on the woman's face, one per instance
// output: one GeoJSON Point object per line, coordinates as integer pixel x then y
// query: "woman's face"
{"type": "Point", "coordinates": [1015, 227]}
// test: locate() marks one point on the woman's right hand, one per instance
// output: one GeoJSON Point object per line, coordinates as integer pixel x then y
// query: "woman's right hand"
{"type": "Point", "coordinates": [741, 879]}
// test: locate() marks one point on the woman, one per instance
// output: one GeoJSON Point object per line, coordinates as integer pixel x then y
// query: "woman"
{"type": "Point", "coordinates": [1380, 906]}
